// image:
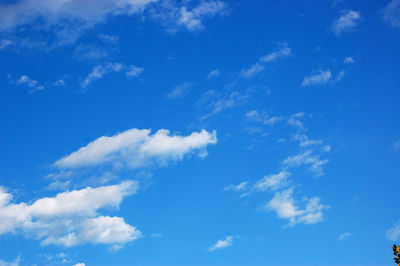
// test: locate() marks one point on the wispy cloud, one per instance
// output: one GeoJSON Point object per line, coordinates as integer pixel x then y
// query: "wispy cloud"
{"type": "Point", "coordinates": [348, 60]}
{"type": "Point", "coordinates": [394, 232]}
{"type": "Point", "coordinates": [70, 218]}
{"type": "Point", "coordinates": [272, 182]}
{"type": "Point", "coordinates": [396, 145]}
{"type": "Point", "coordinates": [136, 148]}
{"type": "Point", "coordinates": [345, 236]}
{"type": "Point", "coordinates": [15, 262]}
{"type": "Point", "coordinates": [240, 187]}
{"type": "Point", "coordinates": [307, 158]}
{"type": "Point", "coordinates": [215, 104]}
{"type": "Point", "coordinates": [227, 242]}
{"type": "Point", "coordinates": [262, 117]}
{"type": "Point", "coordinates": [176, 14]}
{"type": "Point", "coordinates": [31, 83]}
{"type": "Point", "coordinates": [282, 52]}
{"type": "Point", "coordinates": [322, 77]}
{"type": "Point", "coordinates": [348, 21]}
{"type": "Point", "coordinates": [391, 13]}
{"type": "Point", "coordinates": [180, 90]}
{"type": "Point", "coordinates": [213, 73]}
{"type": "Point", "coordinates": [100, 70]}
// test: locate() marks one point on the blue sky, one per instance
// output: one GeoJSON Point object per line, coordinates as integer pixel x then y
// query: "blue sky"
{"type": "Point", "coordinates": [155, 132]}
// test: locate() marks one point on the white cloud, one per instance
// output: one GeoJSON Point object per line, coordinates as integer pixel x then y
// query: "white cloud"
{"type": "Point", "coordinates": [348, 60]}
{"type": "Point", "coordinates": [340, 75]}
{"type": "Point", "coordinates": [193, 19]}
{"type": "Point", "coordinates": [135, 148]}
{"type": "Point", "coordinates": [305, 141]}
{"type": "Point", "coordinates": [320, 78]}
{"type": "Point", "coordinates": [295, 121]}
{"type": "Point", "coordinates": [262, 117]}
{"type": "Point", "coordinates": [344, 236]}
{"type": "Point", "coordinates": [285, 207]}
{"type": "Point", "coordinates": [59, 83]}
{"type": "Point", "coordinates": [134, 71]}
{"type": "Point", "coordinates": [252, 71]}
{"type": "Point", "coordinates": [71, 218]}
{"type": "Point", "coordinates": [391, 13]}
{"type": "Point", "coordinates": [272, 182]}
{"type": "Point", "coordinates": [100, 70]}
{"type": "Point", "coordinates": [240, 187]}
{"type": "Point", "coordinates": [394, 232]}
{"type": "Point", "coordinates": [4, 43]}
{"type": "Point", "coordinates": [79, 264]}
{"type": "Point", "coordinates": [309, 159]}
{"type": "Point", "coordinates": [110, 39]}
{"type": "Point", "coordinates": [89, 52]}
{"type": "Point", "coordinates": [346, 22]}
{"type": "Point", "coordinates": [31, 83]}
{"type": "Point", "coordinates": [213, 73]}
{"type": "Point", "coordinates": [16, 262]}
{"type": "Point", "coordinates": [396, 145]}
{"type": "Point", "coordinates": [180, 90]}
{"type": "Point", "coordinates": [73, 11]}
{"type": "Point", "coordinates": [221, 104]}
{"type": "Point", "coordinates": [227, 242]}
{"type": "Point", "coordinates": [283, 52]}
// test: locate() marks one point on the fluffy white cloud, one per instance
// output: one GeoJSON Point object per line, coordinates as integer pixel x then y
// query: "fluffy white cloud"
{"type": "Point", "coordinates": [180, 90]}
{"type": "Point", "coordinates": [346, 22]}
{"type": "Point", "coordinates": [227, 242]}
{"type": "Point", "coordinates": [70, 218]}
{"type": "Point", "coordinates": [285, 207]}
{"type": "Point", "coordinates": [135, 148]}
{"type": "Point", "coordinates": [320, 78]}
{"type": "Point", "coordinates": [79, 264]}
{"type": "Point", "coordinates": [391, 13]}
{"type": "Point", "coordinates": [394, 232]}
{"type": "Point", "coordinates": [272, 182]}
{"type": "Point", "coordinates": [309, 159]}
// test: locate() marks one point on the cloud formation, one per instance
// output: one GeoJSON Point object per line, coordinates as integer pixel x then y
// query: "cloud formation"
{"type": "Point", "coordinates": [282, 52]}
{"type": "Point", "coordinates": [71, 218]}
{"type": "Point", "coordinates": [394, 232]}
{"type": "Point", "coordinates": [346, 22]}
{"type": "Point", "coordinates": [391, 13]}
{"type": "Point", "coordinates": [136, 148]}
{"type": "Point", "coordinates": [227, 242]}
{"type": "Point", "coordinates": [285, 207]}
{"type": "Point", "coordinates": [180, 90]}
{"type": "Point", "coordinates": [100, 70]}
{"type": "Point", "coordinates": [322, 77]}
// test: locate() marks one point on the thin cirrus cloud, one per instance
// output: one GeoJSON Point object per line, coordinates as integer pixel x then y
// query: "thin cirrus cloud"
{"type": "Point", "coordinates": [213, 73]}
{"type": "Point", "coordinates": [272, 182]}
{"type": "Point", "coordinates": [180, 90]}
{"type": "Point", "coordinates": [307, 158]}
{"type": "Point", "coordinates": [262, 117]}
{"type": "Point", "coordinates": [136, 148]}
{"type": "Point", "coordinates": [100, 70]}
{"type": "Point", "coordinates": [391, 13]}
{"type": "Point", "coordinates": [282, 52]}
{"type": "Point", "coordinates": [224, 243]}
{"type": "Point", "coordinates": [347, 22]}
{"type": "Point", "coordinates": [71, 218]}
{"type": "Point", "coordinates": [393, 233]}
